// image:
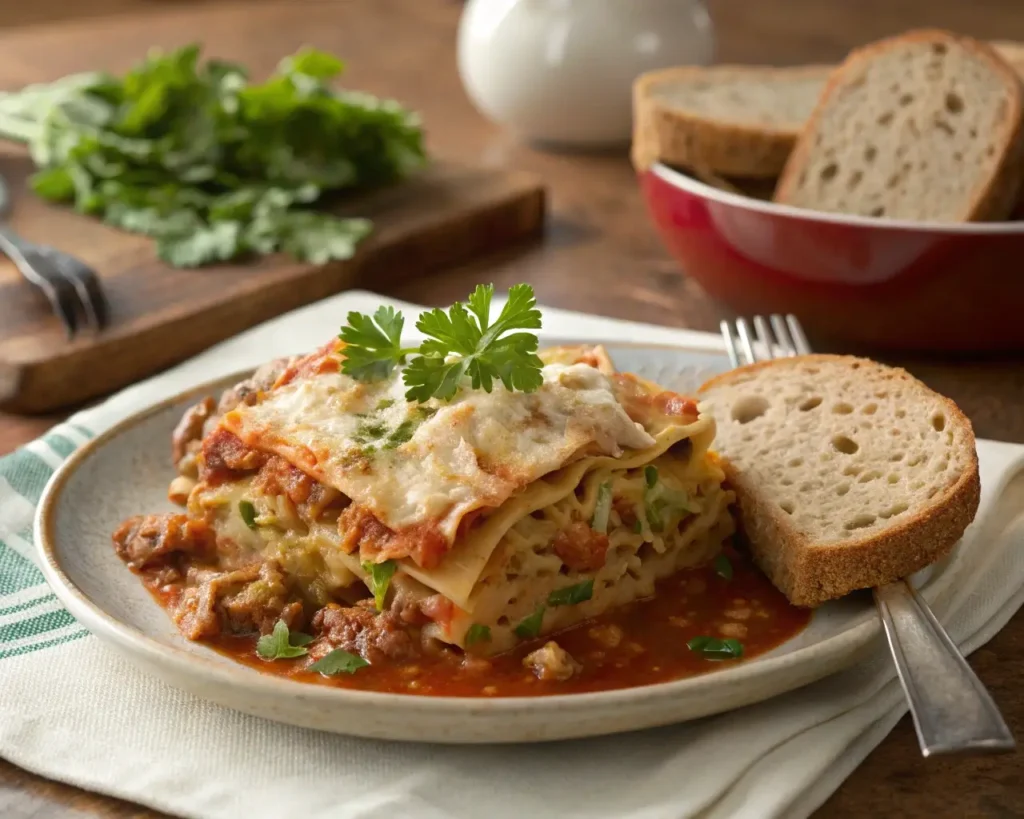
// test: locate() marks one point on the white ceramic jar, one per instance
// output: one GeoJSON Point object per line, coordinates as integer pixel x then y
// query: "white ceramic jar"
{"type": "Point", "coordinates": [561, 71]}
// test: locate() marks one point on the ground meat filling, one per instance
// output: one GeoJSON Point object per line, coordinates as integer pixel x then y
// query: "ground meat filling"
{"type": "Point", "coordinates": [146, 542]}
{"type": "Point", "coordinates": [361, 530]}
{"type": "Point", "coordinates": [581, 548]}
{"type": "Point", "coordinates": [188, 435]}
{"type": "Point", "coordinates": [551, 662]}
{"type": "Point", "coordinates": [200, 419]}
{"type": "Point", "coordinates": [278, 477]}
{"type": "Point", "coordinates": [377, 637]}
{"type": "Point", "coordinates": [225, 456]}
{"type": "Point", "coordinates": [251, 599]}
{"type": "Point", "coordinates": [247, 392]}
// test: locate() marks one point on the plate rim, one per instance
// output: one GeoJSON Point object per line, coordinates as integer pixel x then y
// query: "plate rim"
{"type": "Point", "coordinates": [847, 644]}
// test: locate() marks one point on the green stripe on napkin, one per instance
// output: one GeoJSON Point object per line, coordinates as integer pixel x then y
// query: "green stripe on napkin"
{"type": "Point", "coordinates": [30, 618]}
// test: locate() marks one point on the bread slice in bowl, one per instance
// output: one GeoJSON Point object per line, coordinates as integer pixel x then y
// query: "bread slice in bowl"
{"type": "Point", "coordinates": [727, 120]}
{"type": "Point", "coordinates": [849, 474]}
{"type": "Point", "coordinates": [925, 126]}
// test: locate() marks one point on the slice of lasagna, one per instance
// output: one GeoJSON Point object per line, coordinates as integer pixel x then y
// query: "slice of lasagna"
{"type": "Point", "coordinates": [388, 528]}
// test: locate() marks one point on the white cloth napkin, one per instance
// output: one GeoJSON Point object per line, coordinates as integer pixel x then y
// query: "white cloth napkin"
{"type": "Point", "coordinates": [79, 713]}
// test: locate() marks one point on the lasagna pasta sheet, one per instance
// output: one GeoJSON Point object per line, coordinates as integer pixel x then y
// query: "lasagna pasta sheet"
{"type": "Point", "coordinates": [459, 572]}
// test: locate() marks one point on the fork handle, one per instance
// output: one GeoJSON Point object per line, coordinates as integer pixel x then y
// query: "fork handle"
{"type": "Point", "coordinates": [951, 709]}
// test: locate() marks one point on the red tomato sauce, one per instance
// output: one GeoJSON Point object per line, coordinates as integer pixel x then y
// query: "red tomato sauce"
{"type": "Point", "coordinates": [642, 643]}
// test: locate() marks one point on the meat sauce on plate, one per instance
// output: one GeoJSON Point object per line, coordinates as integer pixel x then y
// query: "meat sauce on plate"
{"type": "Point", "coordinates": [642, 643]}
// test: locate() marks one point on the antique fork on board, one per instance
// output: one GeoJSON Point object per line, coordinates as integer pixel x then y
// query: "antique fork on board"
{"type": "Point", "coordinates": [951, 709]}
{"type": "Point", "coordinates": [70, 285]}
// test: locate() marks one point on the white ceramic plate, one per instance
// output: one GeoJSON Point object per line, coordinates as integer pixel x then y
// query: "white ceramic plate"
{"type": "Point", "coordinates": [126, 471]}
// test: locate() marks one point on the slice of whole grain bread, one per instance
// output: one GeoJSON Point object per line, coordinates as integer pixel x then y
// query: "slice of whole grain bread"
{"type": "Point", "coordinates": [926, 126]}
{"type": "Point", "coordinates": [725, 120]}
{"type": "Point", "coordinates": [848, 474]}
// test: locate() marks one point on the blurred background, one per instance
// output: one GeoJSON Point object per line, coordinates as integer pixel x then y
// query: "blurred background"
{"type": "Point", "coordinates": [748, 31]}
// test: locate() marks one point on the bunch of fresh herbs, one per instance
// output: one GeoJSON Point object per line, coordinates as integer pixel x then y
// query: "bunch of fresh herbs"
{"type": "Point", "coordinates": [211, 165]}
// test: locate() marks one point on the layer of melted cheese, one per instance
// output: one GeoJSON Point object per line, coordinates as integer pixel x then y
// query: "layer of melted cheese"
{"type": "Point", "coordinates": [412, 465]}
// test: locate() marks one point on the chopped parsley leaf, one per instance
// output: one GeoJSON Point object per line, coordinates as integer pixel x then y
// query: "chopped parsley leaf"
{"type": "Point", "coordinates": [530, 626]}
{"type": "Point", "coordinates": [380, 579]}
{"type": "Point", "coordinates": [602, 508]}
{"type": "Point", "coordinates": [337, 662]}
{"type": "Point", "coordinates": [372, 430]}
{"type": "Point", "coordinates": [282, 644]}
{"type": "Point", "coordinates": [478, 634]}
{"type": "Point", "coordinates": [384, 403]}
{"type": "Point", "coordinates": [248, 513]}
{"type": "Point", "coordinates": [711, 648]}
{"type": "Point", "coordinates": [402, 433]}
{"type": "Point", "coordinates": [571, 595]}
{"type": "Point", "coordinates": [723, 568]}
{"type": "Point", "coordinates": [651, 475]}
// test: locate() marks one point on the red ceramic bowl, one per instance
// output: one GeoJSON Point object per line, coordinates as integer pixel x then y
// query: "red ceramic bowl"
{"type": "Point", "coordinates": [862, 281]}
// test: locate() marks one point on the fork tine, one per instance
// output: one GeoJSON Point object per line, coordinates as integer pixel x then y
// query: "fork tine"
{"type": "Point", "coordinates": [746, 347]}
{"type": "Point", "coordinates": [799, 339]}
{"type": "Point", "coordinates": [730, 343]}
{"type": "Point", "coordinates": [36, 270]}
{"type": "Point", "coordinates": [64, 298]}
{"type": "Point", "coordinates": [764, 336]}
{"type": "Point", "coordinates": [85, 283]}
{"type": "Point", "coordinates": [782, 333]}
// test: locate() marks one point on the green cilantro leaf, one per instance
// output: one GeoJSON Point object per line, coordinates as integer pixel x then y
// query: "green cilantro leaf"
{"type": "Point", "coordinates": [313, 63]}
{"type": "Point", "coordinates": [711, 648]}
{"type": "Point", "coordinates": [484, 352]}
{"type": "Point", "coordinates": [282, 645]}
{"type": "Point", "coordinates": [176, 135]}
{"type": "Point", "coordinates": [373, 345]}
{"type": "Point", "coordinates": [248, 513]}
{"type": "Point", "coordinates": [529, 627]}
{"type": "Point", "coordinates": [337, 662]}
{"type": "Point", "coordinates": [478, 634]}
{"type": "Point", "coordinates": [380, 579]}
{"type": "Point", "coordinates": [216, 243]}
{"type": "Point", "coordinates": [571, 595]}
{"type": "Point", "coordinates": [55, 184]}
{"type": "Point", "coordinates": [723, 568]}
{"type": "Point", "coordinates": [319, 237]}
{"type": "Point", "coordinates": [432, 377]}
{"type": "Point", "coordinates": [460, 342]}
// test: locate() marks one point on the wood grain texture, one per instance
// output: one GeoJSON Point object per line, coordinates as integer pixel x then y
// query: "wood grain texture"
{"type": "Point", "coordinates": [601, 255]}
{"type": "Point", "coordinates": [159, 315]}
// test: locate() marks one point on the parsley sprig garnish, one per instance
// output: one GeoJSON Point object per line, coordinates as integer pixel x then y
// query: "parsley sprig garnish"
{"type": "Point", "coordinates": [460, 342]}
{"type": "Point", "coordinates": [282, 644]}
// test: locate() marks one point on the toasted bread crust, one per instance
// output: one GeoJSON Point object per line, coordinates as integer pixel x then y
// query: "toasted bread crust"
{"type": "Point", "coordinates": [810, 574]}
{"type": "Point", "coordinates": [662, 133]}
{"type": "Point", "coordinates": [994, 200]}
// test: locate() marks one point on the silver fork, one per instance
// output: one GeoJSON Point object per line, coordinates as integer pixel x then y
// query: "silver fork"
{"type": "Point", "coordinates": [70, 285]}
{"type": "Point", "coordinates": [951, 709]}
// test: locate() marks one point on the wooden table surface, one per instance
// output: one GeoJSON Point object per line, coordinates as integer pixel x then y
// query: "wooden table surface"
{"type": "Point", "coordinates": [600, 255]}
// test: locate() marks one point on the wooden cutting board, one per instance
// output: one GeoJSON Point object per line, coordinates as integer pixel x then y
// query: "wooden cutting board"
{"type": "Point", "coordinates": [160, 315]}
